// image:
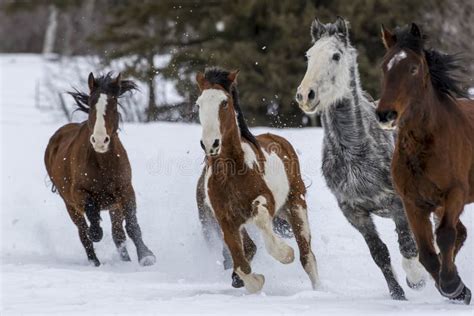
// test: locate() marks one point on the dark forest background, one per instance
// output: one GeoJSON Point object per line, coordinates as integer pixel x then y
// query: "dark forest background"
{"type": "Point", "coordinates": [265, 39]}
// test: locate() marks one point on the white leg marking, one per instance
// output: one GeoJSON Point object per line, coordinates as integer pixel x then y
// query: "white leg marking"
{"type": "Point", "coordinates": [414, 270]}
{"type": "Point", "coordinates": [311, 266]}
{"type": "Point", "coordinates": [276, 247]}
{"type": "Point", "coordinates": [253, 282]}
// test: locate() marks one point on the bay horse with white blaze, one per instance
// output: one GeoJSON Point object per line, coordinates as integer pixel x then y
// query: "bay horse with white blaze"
{"type": "Point", "coordinates": [249, 179]}
{"type": "Point", "coordinates": [89, 167]}
{"type": "Point", "coordinates": [433, 162]}
{"type": "Point", "coordinates": [356, 151]}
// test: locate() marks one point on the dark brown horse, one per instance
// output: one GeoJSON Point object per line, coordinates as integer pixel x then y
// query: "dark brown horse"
{"type": "Point", "coordinates": [249, 179]}
{"type": "Point", "coordinates": [433, 162]}
{"type": "Point", "coordinates": [89, 167]}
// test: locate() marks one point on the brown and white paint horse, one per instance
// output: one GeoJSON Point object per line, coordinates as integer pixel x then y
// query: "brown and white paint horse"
{"type": "Point", "coordinates": [433, 161]}
{"type": "Point", "coordinates": [89, 167]}
{"type": "Point", "coordinates": [249, 179]}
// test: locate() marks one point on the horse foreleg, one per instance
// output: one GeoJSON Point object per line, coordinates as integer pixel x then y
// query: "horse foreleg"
{"type": "Point", "coordinates": [275, 246]}
{"type": "Point", "coordinates": [461, 236]}
{"type": "Point", "coordinates": [300, 226]}
{"type": "Point", "coordinates": [233, 239]}
{"type": "Point", "coordinates": [415, 272]}
{"type": "Point", "coordinates": [92, 211]}
{"type": "Point", "coordinates": [145, 256]}
{"type": "Point", "coordinates": [362, 221]}
{"type": "Point", "coordinates": [118, 233]}
{"type": "Point", "coordinates": [79, 220]}
{"type": "Point", "coordinates": [450, 283]}
{"type": "Point", "coordinates": [422, 229]}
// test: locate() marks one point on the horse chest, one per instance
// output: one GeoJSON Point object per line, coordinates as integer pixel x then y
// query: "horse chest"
{"type": "Point", "coordinates": [356, 175]}
{"type": "Point", "coordinates": [234, 194]}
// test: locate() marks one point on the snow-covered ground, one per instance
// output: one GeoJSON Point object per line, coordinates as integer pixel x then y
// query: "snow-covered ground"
{"type": "Point", "coordinates": [44, 267]}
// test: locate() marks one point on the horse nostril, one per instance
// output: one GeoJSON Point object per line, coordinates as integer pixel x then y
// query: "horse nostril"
{"type": "Point", "coordinates": [107, 139]}
{"type": "Point", "coordinates": [93, 139]}
{"type": "Point", "coordinates": [311, 94]}
{"type": "Point", "coordinates": [202, 145]}
{"type": "Point", "coordinates": [299, 97]}
{"type": "Point", "coordinates": [215, 144]}
{"type": "Point", "coordinates": [391, 116]}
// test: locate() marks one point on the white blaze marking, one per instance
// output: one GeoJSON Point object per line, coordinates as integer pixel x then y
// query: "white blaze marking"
{"type": "Point", "coordinates": [209, 103]}
{"type": "Point", "coordinates": [396, 59]}
{"type": "Point", "coordinates": [100, 132]}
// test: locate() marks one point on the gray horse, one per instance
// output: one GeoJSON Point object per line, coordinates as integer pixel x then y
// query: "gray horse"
{"type": "Point", "coordinates": [356, 152]}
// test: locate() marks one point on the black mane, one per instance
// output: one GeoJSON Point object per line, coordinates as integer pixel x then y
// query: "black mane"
{"type": "Point", "coordinates": [444, 68]}
{"type": "Point", "coordinates": [220, 76]}
{"type": "Point", "coordinates": [105, 84]}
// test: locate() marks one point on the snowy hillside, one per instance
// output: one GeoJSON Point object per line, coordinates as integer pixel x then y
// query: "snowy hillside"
{"type": "Point", "coordinates": [44, 267]}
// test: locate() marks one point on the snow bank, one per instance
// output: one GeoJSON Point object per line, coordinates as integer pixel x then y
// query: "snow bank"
{"type": "Point", "coordinates": [44, 267]}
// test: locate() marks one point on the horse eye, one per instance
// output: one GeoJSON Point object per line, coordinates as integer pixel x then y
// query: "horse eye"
{"type": "Point", "coordinates": [414, 70]}
{"type": "Point", "coordinates": [224, 104]}
{"type": "Point", "coordinates": [336, 56]}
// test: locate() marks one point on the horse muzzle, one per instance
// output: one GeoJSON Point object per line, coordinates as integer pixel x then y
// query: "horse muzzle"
{"type": "Point", "coordinates": [387, 119]}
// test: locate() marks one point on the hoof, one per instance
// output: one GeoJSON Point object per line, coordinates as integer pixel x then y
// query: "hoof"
{"type": "Point", "coordinates": [282, 228]}
{"type": "Point", "coordinates": [237, 281]}
{"type": "Point", "coordinates": [147, 260]}
{"type": "Point", "coordinates": [285, 254]}
{"type": "Point", "coordinates": [124, 256]}
{"type": "Point", "coordinates": [398, 294]}
{"type": "Point", "coordinates": [416, 286]}
{"type": "Point", "coordinates": [254, 283]}
{"type": "Point", "coordinates": [94, 262]}
{"type": "Point", "coordinates": [95, 233]}
{"type": "Point", "coordinates": [462, 293]}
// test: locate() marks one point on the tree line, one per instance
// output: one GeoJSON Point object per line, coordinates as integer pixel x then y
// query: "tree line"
{"type": "Point", "coordinates": [265, 39]}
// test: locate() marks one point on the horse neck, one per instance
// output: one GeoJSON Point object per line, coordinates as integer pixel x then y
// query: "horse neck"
{"type": "Point", "coordinates": [231, 152]}
{"type": "Point", "coordinates": [345, 121]}
{"type": "Point", "coordinates": [425, 109]}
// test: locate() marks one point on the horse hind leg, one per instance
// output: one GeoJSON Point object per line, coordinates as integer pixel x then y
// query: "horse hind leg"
{"type": "Point", "coordinates": [363, 222]}
{"type": "Point", "coordinates": [118, 233]}
{"type": "Point", "coordinates": [79, 220]}
{"type": "Point", "coordinates": [275, 246]}
{"type": "Point", "coordinates": [300, 226]}
{"type": "Point", "coordinates": [415, 272]}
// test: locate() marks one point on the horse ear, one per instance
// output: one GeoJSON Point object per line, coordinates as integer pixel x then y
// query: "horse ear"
{"type": "Point", "coordinates": [342, 27]}
{"type": "Point", "coordinates": [200, 80]}
{"type": "Point", "coordinates": [118, 80]}
{"type": "Point", "coordinates": [389, 39]}
{"type": "Point", "coordinates": [415, 30]}
{"type": "Point", "coordinates": [233, 75]}
{"type": "Point", "coordinates": [317, 29]}
{"type": "Point", "coordinates": [91, 81]}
